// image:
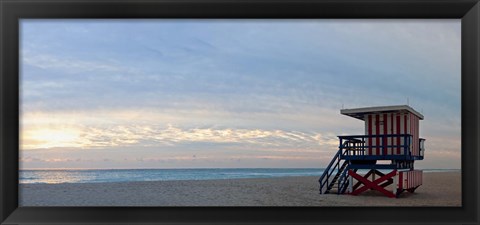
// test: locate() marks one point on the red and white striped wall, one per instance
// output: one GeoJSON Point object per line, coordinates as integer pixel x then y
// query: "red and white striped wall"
{"type": "Point", "coordinates": [391, 123]}
{"type": "Point", "coordinates": [409, 179]}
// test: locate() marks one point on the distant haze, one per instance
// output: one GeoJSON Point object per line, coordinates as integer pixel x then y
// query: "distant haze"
{"type": "Point", "coordinates": [228, 93]}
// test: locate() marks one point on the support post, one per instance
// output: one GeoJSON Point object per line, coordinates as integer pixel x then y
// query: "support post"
{"type": "Point", "coordinates": [395, 184]}
{"type": "Point", "coordinates": [373, 176]}
{"type": "Point", "coordinates": [350, 183]}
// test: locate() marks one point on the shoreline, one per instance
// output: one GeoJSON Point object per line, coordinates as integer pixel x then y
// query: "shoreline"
{"type": "Point", "coordinates": [438, 189]}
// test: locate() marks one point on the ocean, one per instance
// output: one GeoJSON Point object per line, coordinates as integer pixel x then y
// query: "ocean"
{"type": "Point", "coordinates": [128, 175]}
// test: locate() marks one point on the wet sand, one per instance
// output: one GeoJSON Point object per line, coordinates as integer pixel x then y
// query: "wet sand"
{"type": "Point", "coordinates": [438, 189]}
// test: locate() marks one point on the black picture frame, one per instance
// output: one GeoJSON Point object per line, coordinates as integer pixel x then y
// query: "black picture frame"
{"type": "Point", "coordinates": [11, 11]}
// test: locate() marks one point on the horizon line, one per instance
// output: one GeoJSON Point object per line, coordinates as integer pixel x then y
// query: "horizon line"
{"type": "Point", "coordinates": [200, 168]}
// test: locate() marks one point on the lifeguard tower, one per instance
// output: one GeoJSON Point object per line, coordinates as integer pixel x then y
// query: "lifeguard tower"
{"type": "Point", "coordinates": [391, 143]}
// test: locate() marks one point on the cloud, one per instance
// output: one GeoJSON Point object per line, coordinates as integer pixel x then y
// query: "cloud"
{"type": "Point", "coordinates": [163, 158]}
{"type": "Point", "coordinates": [147, 135]}
{"type": "Point", "coordinates": [262, 87]}
{"type": "Point", "coordinates": [76, 66]}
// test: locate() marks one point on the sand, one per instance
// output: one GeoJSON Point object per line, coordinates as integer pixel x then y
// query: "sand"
{"type": "Point", "coordinates": [438, 189]}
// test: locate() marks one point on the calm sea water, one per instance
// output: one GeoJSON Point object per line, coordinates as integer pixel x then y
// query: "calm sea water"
{"type": "Point", "coordinates": [127, 175]}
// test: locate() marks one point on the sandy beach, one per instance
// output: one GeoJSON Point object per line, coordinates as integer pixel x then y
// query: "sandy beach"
{"type": "Point", "coordinates": [438, 189]}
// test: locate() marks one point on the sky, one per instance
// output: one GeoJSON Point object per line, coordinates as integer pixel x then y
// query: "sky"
{"type": "Point", "coordinates": [113, 94]}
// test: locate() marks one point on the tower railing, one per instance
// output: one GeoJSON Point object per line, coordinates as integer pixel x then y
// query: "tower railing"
{"type": "Point", "coordinates": [356, 146]}
{"type": "Point", "coordinates": [333, 166]}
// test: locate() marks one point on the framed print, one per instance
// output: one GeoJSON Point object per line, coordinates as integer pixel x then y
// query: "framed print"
{"type": "Point", "coordinates": [194, 112]}
{"type": "Point", "coordinates": [220, 112]}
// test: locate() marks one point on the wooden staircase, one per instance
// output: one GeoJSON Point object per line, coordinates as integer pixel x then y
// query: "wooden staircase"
{"type": "Point", "coordinates": [334, 179]}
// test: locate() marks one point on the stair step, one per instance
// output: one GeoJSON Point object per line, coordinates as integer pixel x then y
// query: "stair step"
{"type": "Point", "coordinates": [338, 170]}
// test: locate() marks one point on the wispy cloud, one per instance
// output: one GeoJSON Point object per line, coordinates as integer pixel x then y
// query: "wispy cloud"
{"type": "Point", "coordinates": [68, 65]}
{"type": "Point", "coordinates": [144, 135]}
